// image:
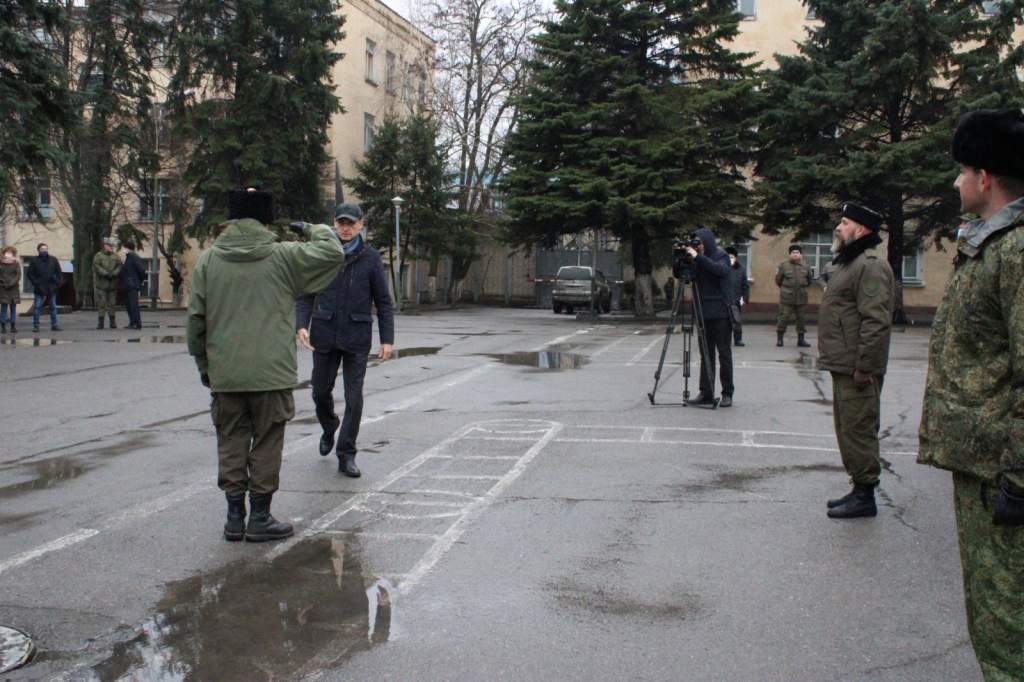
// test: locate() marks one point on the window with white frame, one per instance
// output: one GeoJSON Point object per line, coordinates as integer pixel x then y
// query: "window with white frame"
{"type": "Point", "coordinates": [991, 7]}
{"type": "Point", "coordinates": [144, 291]}
{"type": "Point", "coordinates": [368, 124]}
{"type": "Point", "coordinates": [743, 255]}
{"type": "Point", "coordinates": [391, 72]}
{"type": "Point", "coordinates": [407, 86]}
{"type": "Point", "coordinates": [748, 8]}
{"type": "Point", "coordinates": [35, 198]}
{"type": "Point", "coordinates": [150, 199]}
{"type": "Point", "coordinates": [913, 267]}
{"type": "Point", "coordinates": [371, 53]}
{"type": "Point", "coordinates": [817, 251]}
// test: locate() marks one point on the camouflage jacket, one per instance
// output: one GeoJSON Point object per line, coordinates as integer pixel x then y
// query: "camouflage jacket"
{"type": "Point", "coordinates": [793, 280]}
{"type": "Point", "coordinates": [973, 415]}
{"type": "Point", "coordinates": [105, 269]}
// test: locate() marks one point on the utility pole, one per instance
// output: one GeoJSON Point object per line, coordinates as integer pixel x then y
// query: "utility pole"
{"type": "Point", "coordinates": [398, 201]}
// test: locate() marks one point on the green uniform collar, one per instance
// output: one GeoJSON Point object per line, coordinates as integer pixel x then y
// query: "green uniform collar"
{"type": "Point", "coordinates": [977, 232]}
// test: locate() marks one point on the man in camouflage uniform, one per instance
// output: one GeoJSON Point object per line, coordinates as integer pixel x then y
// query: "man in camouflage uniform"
{"type": "Point", "coordinates": [106, 267]}
{"type": "Point", "coordinates": [973, 417]}
{"type": "Point", "coordinates": [793, 278]}
{"type": "Point", "coordinates": [854, 322]}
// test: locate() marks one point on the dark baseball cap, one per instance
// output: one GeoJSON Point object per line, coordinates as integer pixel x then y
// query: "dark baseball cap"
{"type": "Point", "coordinates": [348, 211]}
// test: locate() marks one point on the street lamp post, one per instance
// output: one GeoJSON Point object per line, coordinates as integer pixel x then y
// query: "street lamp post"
{"type": "Point", "coordinates": [154, 261]}
{"type": "Point", "coordinates": [398, 201]}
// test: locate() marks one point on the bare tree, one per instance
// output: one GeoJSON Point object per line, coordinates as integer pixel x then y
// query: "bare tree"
{"type": "Point", "coordinates": [482, 52]}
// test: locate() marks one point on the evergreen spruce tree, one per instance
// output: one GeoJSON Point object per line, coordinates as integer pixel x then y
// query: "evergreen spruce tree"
{"type": "Point", "coordinates": [865, 112]}
{"type": "Point", "coordinates": [259, 76]}
{"type": "Point", "coordinates": [634, 122]}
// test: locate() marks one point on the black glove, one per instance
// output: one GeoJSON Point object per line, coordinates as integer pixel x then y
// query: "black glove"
{"type": "Point", "coordinates": [1009, 509]}
{"type": "Point", "coordinates": [298, 228]}
{"type": "Point", "coordinates": [205, 379]}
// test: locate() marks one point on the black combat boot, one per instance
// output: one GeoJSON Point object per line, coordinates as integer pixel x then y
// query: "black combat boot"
{"type": "Point", "coordinates": [841, 500]}
{"type": "Point", "coordinates": [347, 465]}
{"type": "Point", "coordinates": [99, 322]}
{"type": "Point", "coordinates": [779, 341]}
{"type": "Point", "coordinates": [262, 526]}
{"type": "Point", "coordinates": [801, 341]}
{"type": "Point", "coordinates": [234, 529]}
{"type": "Point", "coordinates": [113, 322]}
{"type": "Point", "coordinates": [861, 502]}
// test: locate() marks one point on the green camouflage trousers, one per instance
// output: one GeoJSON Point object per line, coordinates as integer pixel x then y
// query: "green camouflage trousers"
{"type": "Point", "coordinates": [788, 313]}
{"type": "Point", "coordinates": [993, 563]}
{"type": "Point", "coordinates": [105, 301]}
{"type": "Point", "coordinates": [856, 412]}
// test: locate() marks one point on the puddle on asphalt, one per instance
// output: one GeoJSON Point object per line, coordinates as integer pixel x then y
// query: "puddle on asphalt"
{"type": "Point", "coordinates": [32, 342]}
{"type": "Point", "coordinates": [740, 480]}
{"type": "Point", "coordinates": [53, 471]}
{"type": "Point", "coordinates": [414, 352]}
{"type": "Point", "coordinates": [150, 339]}
{"type": "Point", "coordinates": [298, 614]}
{"type": "Point", "coordinates": [542, 360]}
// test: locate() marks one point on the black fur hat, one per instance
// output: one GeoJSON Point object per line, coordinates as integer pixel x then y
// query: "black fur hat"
{"type": "Point", "coordinates": [731, 250]}
{"type": "Point", "coordinates": [993, 140]}
{"type": "Point", "coordinates": [251, 202]}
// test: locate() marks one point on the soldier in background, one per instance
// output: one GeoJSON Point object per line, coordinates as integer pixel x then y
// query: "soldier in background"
{"type": "Point", "coordinates": [793, 279]}
{"type": "Point", "coordinates": [973, 415]}
{"type": "Point", "coordinates": [106, 267]}
{"type": "Point", "coordinates": [740, 293]}
{"type": "Point", "coordinates": [240, 332]}
{"type": "Point", "coordinates": [854, 323]}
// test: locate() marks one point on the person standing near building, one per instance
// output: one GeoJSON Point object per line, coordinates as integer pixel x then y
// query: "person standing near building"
{"type": "Point", "coordinates": [133, 274]}
{"type": "Point", "coordinates": [854, 324]}
{"type": "Point", "coordinates": [44, 273]}
{"type": "Point", "coordinates": [740, 293]}
{"type": "Point", "coordinates": [337, 325]}
{"type": "Point", "coordinates": [10, 288]}
{"type": "Point", "coordinates": [972, 422]}
{"type": "Point", "coordinates": [106, 267]}
{"type": "Point", "coordinates": [793, 279]}
{"type": "Point", "coordinates": [241, 334]}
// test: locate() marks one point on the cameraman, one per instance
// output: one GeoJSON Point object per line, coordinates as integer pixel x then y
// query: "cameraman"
{"type": "Point", "coordinates": [713, 278]}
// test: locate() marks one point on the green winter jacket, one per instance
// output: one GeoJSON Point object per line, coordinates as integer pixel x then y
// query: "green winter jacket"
{"type": "Point", "coordinates": [105, 269]}
{"type": "Point", "coordinates": [241, 313]}
{"type": "Point", "coordinates": [855, 316]}
{"type": "Point", "coordinates": [973, 414]}
{"type": "Point", "coordinates": [793, 280]}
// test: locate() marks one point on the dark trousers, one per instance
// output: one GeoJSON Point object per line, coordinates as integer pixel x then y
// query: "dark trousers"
{"type": "Point", "coordinates": [856, 412]}
{"type": "Point", "coordinates": [131, 302]}
{"type": "Point", "coordinates": [718, 334]}
{"type": "Point", "coordinates": [737, 325]}
{"type": "Point", "coordinates": [325, 372]}
{"type": "Point", "coordinates": [250, 438]}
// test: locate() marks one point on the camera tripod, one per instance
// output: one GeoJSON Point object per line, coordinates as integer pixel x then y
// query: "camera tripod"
{"type": "Point", "coordinates": [692, 316]}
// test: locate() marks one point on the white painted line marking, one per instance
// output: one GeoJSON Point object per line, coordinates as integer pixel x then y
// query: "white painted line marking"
{"type": "Point", "coordinates": [52, 546]}
{"type": "Point", "coordinates": [456, 477]}
{"type": "Point", "coordinates": [560, 339]}
{"type": "Point", "coordinates": [748, 437]}
{"type": "Point", "coordinates": [647, 436]}
{"type": "Point", "coordinates": [643, 352]}
{"type": "Point", "coordinates": [609, 347]}
{"type": "Point", "coordinates": [416, 517]}
{"type": "Point", "coordinates": [382, 535]}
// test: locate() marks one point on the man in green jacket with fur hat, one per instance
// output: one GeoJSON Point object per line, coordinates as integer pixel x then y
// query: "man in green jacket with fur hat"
{"type": "Point", "coordinates": [973, 413]}
{"type": "Point", "coordinates": [240, 331]}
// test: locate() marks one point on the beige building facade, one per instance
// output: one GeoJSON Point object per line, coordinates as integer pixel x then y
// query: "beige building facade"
{"type": "Point", "coordinates": [387, 69]}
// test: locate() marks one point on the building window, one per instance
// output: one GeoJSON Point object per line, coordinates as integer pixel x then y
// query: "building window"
{"type": "Point", "coordinates": [990, 7]}
{"type": "Point", "coordinates": [811, 14]}
{"type": "Point", "coordinates": [146, 200]}
{"type": "Point", "coordinates": [748, 8]}
{"type": "Point", "coordinates": [422, 89]}
{"type": "Point", "coordinates": [26, 286]}
{"type": "Point", "coordinates": [391, 74]}
{"type": "Point", "coordinates": [407, 88]}
{"type": "Point", "coordinates": [144, 291]}
{"type": "Point", "coordinates": [371, 51]}
{"type": "Point", "coordinates": [35, 199]}
{"type": "Point", "coordinates": [743, 256]}
{"type": "Point", "coordinates": [913, 268]}
{"type": "Point", "coordinates": [368, 122]}
{"type": "Point", "coordinates": [817, 251]}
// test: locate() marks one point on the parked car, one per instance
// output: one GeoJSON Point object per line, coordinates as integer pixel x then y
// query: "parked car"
{"type": "Point", "coordinates": [572, 289]}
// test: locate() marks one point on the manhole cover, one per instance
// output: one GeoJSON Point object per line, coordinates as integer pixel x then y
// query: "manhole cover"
{"type": "Point", "coordinates": [16, 648]}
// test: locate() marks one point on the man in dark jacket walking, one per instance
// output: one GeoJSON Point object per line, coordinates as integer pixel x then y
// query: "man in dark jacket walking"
{"type": "Point", "coordinates": [714, 281]}
{"type": "Point", "coordinates": [132, 274]}
{"type": "Point", "coordinates": [44, 273]}
{"type": "Point", "coordinates": [337, 326]}
{"type": "Point", "coordinates": [740, 294]}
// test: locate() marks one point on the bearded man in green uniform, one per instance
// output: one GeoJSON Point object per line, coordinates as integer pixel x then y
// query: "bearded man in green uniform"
{"type": "Point", "coordinates": [854, 322]}
{"type": "Point", "coordinates": [793, 279]}
{"type": "Point", "coordinates": [106, 266]}
{"type": "Point", "coordinates": [973, 418]}
{"type": "Point", "coordinates": [240, 321]}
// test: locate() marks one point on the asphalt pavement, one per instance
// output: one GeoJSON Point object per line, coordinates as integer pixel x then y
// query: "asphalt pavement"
{"type": "Point", "coordinates": [525, 513]}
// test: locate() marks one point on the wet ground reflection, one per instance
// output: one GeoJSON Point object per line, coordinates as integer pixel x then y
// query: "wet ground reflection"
{"type": "Point", "coordinates": [32, 341]}
{"type": "Point", "coordinates": [541, 360]}
{"type": "Point", "coordinates": [310, 608]}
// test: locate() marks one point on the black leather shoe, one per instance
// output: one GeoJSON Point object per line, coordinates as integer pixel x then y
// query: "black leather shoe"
{"type": "Point", "coordinates": [234, 528]}
{"type": "Point", "coordinates": [347, 466]}
{"type": "Point", "coordinates": [702, 399]}
{"type": "Point", "coordinates": [802, 342]}
{"type": "Point", "coordinates": [739, 343]}
{"type": "Point", "coordinates": [860, 504]}
{"type": "Point", "coordinates": [262, 526]}
{"type": "Point", "coordinates": [327, 442]}
{"type": "Point", "coordinates": [726, 400]}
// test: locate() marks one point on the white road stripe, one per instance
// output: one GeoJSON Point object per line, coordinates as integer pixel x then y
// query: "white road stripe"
{"type": "Point", "coordinates": [644, 352]}
{"type": "Point", "coordinates": [609, 347]}
{"type": "Point", "coordinates": [53, 546]}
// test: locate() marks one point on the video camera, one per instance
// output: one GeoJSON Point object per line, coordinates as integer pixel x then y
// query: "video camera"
{"type": "Point", "coordinates": [682, 261]}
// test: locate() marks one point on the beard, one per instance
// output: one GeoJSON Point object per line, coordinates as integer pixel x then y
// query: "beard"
{"type": "Point", "coordinates": [838, 244]}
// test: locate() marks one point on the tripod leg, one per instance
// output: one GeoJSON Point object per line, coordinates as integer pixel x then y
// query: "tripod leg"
{"type": "Point", "coordinates": [664, 351]}
{"type": "Point", "coordinates": [702, 339]}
